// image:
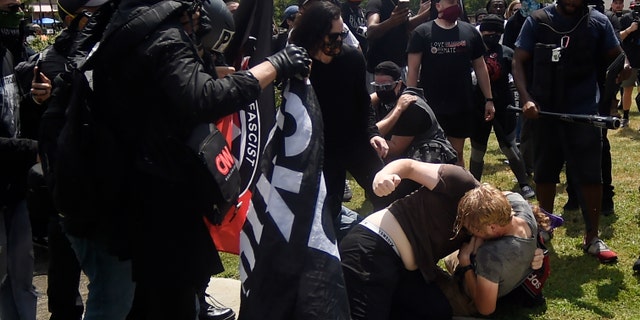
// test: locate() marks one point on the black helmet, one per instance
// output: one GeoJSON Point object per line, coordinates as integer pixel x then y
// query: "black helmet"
{"type": "Point", "coordinates": [218, 25]}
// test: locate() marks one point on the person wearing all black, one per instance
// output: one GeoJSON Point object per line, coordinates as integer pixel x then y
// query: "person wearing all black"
{"type": "Point", "coordinates": [18, 297]}
{"type": "Point", "coordinates": [388, 28]}
{"type": "Point", "coordinates": [351, 139]}
{"type": "Point", "coordinates": [163, 93]}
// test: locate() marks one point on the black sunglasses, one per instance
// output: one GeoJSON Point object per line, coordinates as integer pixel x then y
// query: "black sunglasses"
{"type": "Point", "coordinates": [334, 36]}
{"type": "Point", "coordinates": [16, 7]}
{"type": "Point", "coordinates": [384, 86]}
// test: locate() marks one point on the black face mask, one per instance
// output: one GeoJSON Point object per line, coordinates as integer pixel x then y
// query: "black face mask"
{"type": "Point", "coordinates": [387, 96]}
{"type": "Point", "coordinates": [491, 40]}
{"type": "Point", "coordinates": [332, 47]}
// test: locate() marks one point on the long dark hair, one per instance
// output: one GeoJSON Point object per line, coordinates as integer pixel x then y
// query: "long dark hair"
{"type": "Point", "coordinates": [314, 23]}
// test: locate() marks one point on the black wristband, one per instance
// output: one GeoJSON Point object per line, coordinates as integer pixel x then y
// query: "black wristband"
{"type": "Point", "coordinates": [488, 99]}
{"type": "Point", "coordinates": [463, 270]}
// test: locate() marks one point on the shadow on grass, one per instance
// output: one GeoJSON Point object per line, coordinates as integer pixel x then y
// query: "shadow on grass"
{"type": "Point", "coordinates": [569, 274]}
{"type": "Point", "coordinates": [575, 227]}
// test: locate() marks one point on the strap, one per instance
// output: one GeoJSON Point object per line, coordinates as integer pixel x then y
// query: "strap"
{"type": "Point", "coordinates": [542, 17]}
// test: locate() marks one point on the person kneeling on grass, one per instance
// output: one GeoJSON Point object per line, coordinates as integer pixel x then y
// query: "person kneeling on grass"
{"type": "Point", "coordinates": [390, 259]}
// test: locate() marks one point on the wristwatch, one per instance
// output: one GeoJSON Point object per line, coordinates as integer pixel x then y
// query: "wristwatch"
{"type": "Point", "coordinates": [463, 270]}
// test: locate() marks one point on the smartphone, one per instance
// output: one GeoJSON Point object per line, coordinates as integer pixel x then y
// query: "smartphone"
{"type": "Point", "coordinates": [39, 66]}
{"type": "Point", "coordinates": [403, 4]}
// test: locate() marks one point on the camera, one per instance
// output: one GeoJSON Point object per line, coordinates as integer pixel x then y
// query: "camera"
{"type": "Point", "coordinates": [635, 11]}
{"type": "Point", "coordinates": [362, 30]}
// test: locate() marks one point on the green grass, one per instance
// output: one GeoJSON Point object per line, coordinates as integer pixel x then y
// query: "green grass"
{"type": "Point", "coordinates": [579, 287]}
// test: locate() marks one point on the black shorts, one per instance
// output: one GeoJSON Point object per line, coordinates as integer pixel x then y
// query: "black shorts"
{"type": "Point", "coordinates": [379, 286]}
{"type": "Point", "coordinates": [579, 145]}
{"type": "Point", "coordinates": [457, 125]}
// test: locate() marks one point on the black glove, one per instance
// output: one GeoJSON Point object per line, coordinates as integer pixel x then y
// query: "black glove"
{"type": "Point", "coordinates": [292, 61]}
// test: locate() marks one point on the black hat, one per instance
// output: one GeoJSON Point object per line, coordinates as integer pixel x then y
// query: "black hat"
{"type": "Point", "coordinates": [492, 22]}
{"type": "Point", "coordinates": [70, 7]}
{"type": "Point", "coordinates": [388, 68]}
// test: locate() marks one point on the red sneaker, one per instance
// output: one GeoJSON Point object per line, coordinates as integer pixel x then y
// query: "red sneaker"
{"type": "Point", "coordinates": [600, 250]}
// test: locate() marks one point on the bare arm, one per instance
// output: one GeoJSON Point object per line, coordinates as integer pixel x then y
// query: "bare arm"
{"type": "Point", "coordinates": [520, 58]}
{"type": "Point", "coordinates": [389, 177]}
{"type": "Point", "coordinates": [485, 86]}
{"type": "Point", "coordinates": [483, 292]}
{"type": "Point", "coordinates": [413, 62]}
{"type": "Point", "coordinates": [424, 13]}
{"type": "Point", "coordinates": [377, 29]}
{"type": "Point", "coordinates": [265, 73]}
{"type": "Point", "coordinates": [626, 32]}
{"type": "Point", "coordinates": [386, 125]}
{"type": "Point", "coordinates": [398, 145]}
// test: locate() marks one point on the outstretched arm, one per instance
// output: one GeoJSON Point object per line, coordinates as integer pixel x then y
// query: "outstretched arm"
{"type": "Point", "coordinates": [387, 179]}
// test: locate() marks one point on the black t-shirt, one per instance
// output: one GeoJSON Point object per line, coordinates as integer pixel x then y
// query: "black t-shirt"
{"type": "Point", "coordinates": [345, 103]}
{"type": "Point", "coordinates": [512, 30]}
{"type": "Point", "coordinates": [391, 46]}
{"type": "Point", "coordinates": [446, 64]}
{"type": "Point", "coordinates": [498, 61]}
{"type": "Point", "coordinates": [355, 19]}
{"type": "Point", "coordinates": [427, 217]}
{"type": "Point", "coordinates": [631, 44]}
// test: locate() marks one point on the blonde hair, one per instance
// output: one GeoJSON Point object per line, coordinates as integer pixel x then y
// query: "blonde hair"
{"type": "Point", "coordinates": [508, 13]}
{"type": "Point", "coordinates": [482, 206]}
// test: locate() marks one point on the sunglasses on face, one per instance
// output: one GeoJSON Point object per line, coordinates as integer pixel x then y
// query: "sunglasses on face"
{"type": "Point", "coordinates": [384, 86]}
{"type": "Point", "coordinates": [334, 36]}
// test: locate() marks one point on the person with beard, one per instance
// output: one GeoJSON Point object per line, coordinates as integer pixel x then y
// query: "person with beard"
{"type": "Point", "coordinates": [441, 53]}
{"type": "Point", "coordinates": [572, 90]}
{"type": "Point", "coordinates": [407, 122]}
{"type": "Point", "coordinates": [617, 7]}
{"type": "Point", "coordinates": [498, 59]}
{"type": "Point", "coordinates": [352, 142]}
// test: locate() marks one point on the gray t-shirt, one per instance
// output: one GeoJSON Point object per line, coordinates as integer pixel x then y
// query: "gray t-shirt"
{"type": "Point", "coordinates": [507, 260]}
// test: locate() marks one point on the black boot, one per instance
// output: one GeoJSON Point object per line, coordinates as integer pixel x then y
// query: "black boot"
{"type": "Point", "coordinates": [476, 168]}
{"type": "Point", "coordinates": [212, 309]}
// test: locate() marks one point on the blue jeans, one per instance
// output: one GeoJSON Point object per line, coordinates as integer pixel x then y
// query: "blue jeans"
{"type": "Point", "coordinates": [110, 287]}
{"type": "Point", "coordinates": [17, 295]}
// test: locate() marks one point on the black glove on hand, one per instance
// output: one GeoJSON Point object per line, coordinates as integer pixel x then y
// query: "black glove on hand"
{"type": "Point", "coordinates": [292, 61]}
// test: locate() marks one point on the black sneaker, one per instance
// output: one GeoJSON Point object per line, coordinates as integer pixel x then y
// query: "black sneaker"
{"type": "Point", "coordinates": [212, 309]}
{"type": "Point", "coordinates": [348, 194]}
{"type": "Point", "coordinates": [636, 266]}
{"type": "Point", "coordinates": [571, 205]}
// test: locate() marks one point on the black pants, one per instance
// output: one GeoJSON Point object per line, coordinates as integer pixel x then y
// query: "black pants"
{"type": "Point", "coordinates": [362, 161]}
{"type": "Point", "coordinates": [63, 276]}
{"type": "Point", "coordinates": [173, 255]}
{"type": "Point", "coordinates": [380, 288]}
{"type": "Point", "coordinates": [607, 179]}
